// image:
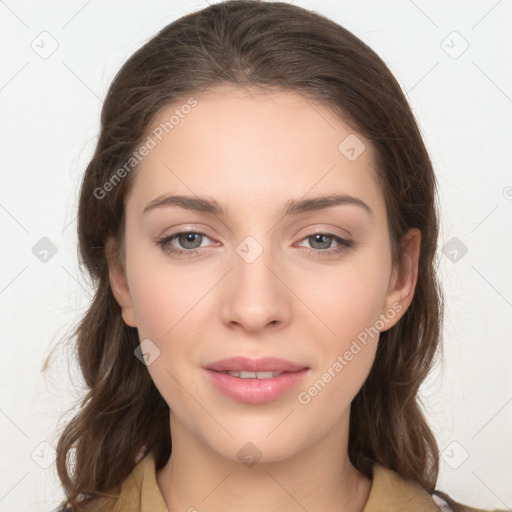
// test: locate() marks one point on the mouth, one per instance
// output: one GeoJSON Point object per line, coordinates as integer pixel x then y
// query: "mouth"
{"type": "Point", "coordinates": [253, 375]}
{"type": "Point", "coordinates": [255, 381]}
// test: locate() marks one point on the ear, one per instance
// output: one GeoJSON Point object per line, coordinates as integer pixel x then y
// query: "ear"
{"type": "Point", "coordinates": [119, 285]}
{"type": "Point", "coordinates": [403, 282]}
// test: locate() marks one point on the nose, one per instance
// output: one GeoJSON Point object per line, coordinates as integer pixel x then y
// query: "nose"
{"type": "Point", "coordinates": [254, 295]}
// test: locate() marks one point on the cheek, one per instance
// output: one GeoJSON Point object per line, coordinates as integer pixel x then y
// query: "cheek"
{"type": "Point", "coordinates": [164, 302]}
{"type": "Point", "coordinates": [167, 301]}
{"type": "Point", "coordinates": [329, 394]}
{"type": "Point", "coordinates": [349, 297]}
{"type": "Point", "coordinates": [348, 302]}
{"type": "Point", "coordinates": [163, 293]}
{"type": "Point", "coordinates": [345, 353]}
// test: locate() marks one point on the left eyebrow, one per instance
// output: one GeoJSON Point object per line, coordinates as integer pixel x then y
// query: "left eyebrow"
{"type": "Point", "coordinates": [291, 207]}
{"type": "Point", "coordinates": [294, 207]}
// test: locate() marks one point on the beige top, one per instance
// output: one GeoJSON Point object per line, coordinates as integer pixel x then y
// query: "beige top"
{"type": "Point", "coordinates": [389, 493]}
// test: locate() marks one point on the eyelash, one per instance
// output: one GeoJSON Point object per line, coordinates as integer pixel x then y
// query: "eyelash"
{"type": "Point", "coordinates": [164, 243]}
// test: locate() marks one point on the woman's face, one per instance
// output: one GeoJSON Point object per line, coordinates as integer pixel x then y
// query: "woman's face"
{"type": "Point", "coordinates": [275, 274]}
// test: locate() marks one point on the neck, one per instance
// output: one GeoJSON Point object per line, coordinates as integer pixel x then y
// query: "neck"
{"type": "Point", "coordinates": [199, 478]}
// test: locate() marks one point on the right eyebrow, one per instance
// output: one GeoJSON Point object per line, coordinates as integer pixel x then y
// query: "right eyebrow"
{"type": "Point", "coordinates": [202, 204]}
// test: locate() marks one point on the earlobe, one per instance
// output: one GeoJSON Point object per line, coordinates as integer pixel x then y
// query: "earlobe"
{"type": "Point", "coordinates": [403, 281]}
{"type": "Point", "coordinates": [119, 285]}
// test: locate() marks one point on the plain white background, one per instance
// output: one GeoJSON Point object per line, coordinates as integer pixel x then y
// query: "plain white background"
{"type": "Point", "coordinates": [453, 61]}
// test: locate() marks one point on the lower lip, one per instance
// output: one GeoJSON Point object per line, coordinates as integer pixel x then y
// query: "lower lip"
{"type": "Point", "coordinates": [256, 391]}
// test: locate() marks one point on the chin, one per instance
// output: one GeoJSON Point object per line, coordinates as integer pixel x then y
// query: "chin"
{"type": "Point", "coordinates": [252, 446]}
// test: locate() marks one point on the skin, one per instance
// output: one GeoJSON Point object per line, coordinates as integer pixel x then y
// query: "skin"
{"type": "Point", "coordinates": [252, 152]}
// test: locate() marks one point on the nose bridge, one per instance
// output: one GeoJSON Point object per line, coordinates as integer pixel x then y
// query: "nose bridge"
{"type": "Point", "coordinates": [252, 274]}
{"type": "Point", "coordinates": [256, 296]}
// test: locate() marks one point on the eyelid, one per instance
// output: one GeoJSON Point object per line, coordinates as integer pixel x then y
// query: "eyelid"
{"type": "Point", "coordinates": [325, 229]}
{"type": "Point", "coordinates": [180, 228]}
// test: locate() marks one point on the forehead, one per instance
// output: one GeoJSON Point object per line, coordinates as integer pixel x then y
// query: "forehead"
{"type": "Point", "coordinates": [249, 146]}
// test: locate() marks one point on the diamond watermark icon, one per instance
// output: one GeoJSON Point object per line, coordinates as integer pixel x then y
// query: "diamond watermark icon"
{"type": "Point", "coordinates": [43, 455]}
{"type": "Point", "coordinates": [455, 249]}
{"type": "Point", "coordinates": [44, 44]}
{"type": "Point", "coordinates": [454, 45]}
{"type": "Point", "coordinates": [351, 147]}
{"type": "Point", "coordinates": [147, 352]}
{"type": "Point", "coordinates": [249, 455]}
{"type": "Point", "coordinates": [44, 250]}
{"type": "Point", "coordinates": [249, 249]}
{"type": "Point", "coordinates": [454, 455]}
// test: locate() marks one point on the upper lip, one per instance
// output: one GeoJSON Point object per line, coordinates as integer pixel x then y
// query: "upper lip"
{"type": "Point", "coordinates": [263, 364]}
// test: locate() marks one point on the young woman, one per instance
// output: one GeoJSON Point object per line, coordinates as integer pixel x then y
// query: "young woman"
{"type": "Point", "coordinates": [260, 219]}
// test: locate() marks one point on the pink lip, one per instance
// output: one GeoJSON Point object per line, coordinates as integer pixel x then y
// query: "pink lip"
{"type": "Point", "coordinates": [264, 364]}
{"type": "Point", "coordinates": [255, 391]}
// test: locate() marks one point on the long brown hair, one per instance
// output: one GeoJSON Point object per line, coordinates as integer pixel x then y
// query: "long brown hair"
{"type": "Point", "coordinates": [272, 46]}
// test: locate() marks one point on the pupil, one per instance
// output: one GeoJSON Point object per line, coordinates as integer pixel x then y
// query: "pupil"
{"type": "Point", "coordinates": [319, 237]}
{"type": "Point", "coordinates": [190, 238]}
